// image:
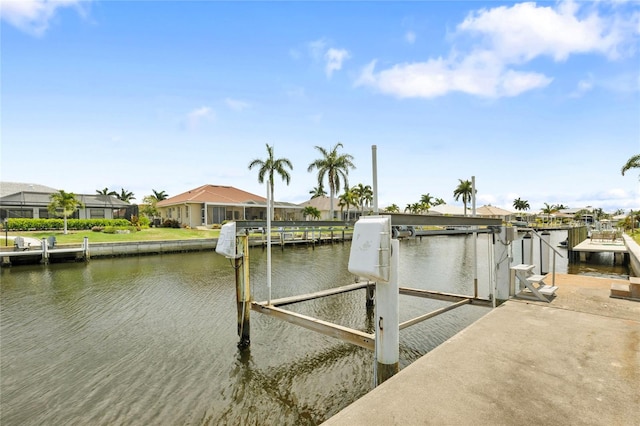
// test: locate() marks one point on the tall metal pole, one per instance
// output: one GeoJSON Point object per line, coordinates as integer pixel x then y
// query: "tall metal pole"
{"type": "Point", "coordinates": [374, 157]}
{"type": "Point", "coordinates": [475, 238]}
{"type": "Point", "coordinates": [269, 240]}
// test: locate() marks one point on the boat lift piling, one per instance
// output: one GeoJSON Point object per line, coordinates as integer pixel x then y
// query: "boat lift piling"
{"type": "Point", "coordinates": [243, 290]}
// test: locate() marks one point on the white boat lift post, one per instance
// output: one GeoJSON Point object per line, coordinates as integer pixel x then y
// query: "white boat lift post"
{"type": "Point", "coordinates": [375, 256]}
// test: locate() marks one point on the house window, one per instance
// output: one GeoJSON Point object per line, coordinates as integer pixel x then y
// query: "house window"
{"type": "Point", "coordinates": [218, 214]}
{"type": "Point", "coordinates": [96, 213]}
{"type": "Point", "coordinates": [21, 213]}
{"type": "Point", "coordinates": [43, 213]}
{"type": "Point", "coordinates": [204, 220]}
{"type": "Point", "coordinates": [186, 212]}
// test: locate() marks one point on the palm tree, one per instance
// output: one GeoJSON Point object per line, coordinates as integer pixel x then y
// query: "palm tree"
{"type": "Point", "coordinates": [268, 167]}
{"type": "Point", "coordinates": [364, 195]}
{"type": "Point", "coordinates": [519, 204]}
{"type": "Point", "coordinates": [464, 190]}
{"type": "Point", "coordinates": [347, 199]}
{"type": "Point", "coordinates": [632, 163]}
{"type": "Point", "coordinates": [125, 195]}
{"type": "Point", "coordinates": [65, 201]}
{"type": "Point", "coordinates": [106, 192]}
{"type": "Point", "coordinates": [160, 195]}
{"type": "Point", "coordinates": [393, 208]}
{"type": "Point", "coordinates": [414, 208]}
{"type": "Point", "coordinates": [335, 167]}
{"type": "Point", "coordinates": [318, 191]}
{"type": "Point", "coordinates": [438, 202]}
{"type": "Point", "coordinates": [548, 210]}
{"type": "Point", "coordinates": [427, 201]}
{"type": "Point", "coordinates": [310, 211]}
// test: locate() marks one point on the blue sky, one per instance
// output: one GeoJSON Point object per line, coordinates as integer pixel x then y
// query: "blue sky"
{"type": "Point", "coordinates": [539, 101]}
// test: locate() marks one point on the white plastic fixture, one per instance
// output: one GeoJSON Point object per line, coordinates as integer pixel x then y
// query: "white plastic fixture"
{"type": "Point", "coordinates": [371, 248]}
{"type": "Point", "coordinates": [227, 240]}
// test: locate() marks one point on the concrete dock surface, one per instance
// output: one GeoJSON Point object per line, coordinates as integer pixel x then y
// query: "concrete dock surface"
{"type": "Point", "coordinates": [573, 361]}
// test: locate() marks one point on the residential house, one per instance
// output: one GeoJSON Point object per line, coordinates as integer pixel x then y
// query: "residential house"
{"type": "Point", "coordinates": [208, 205]}
{"type": "Point", "coordinates": [495, 212]}
{"type": "Point", "coordinates": [323, 204]}
{"type": "Point", "coordinates": [28, 200]}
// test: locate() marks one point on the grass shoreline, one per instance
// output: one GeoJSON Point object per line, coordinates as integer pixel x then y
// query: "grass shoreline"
{"type": "Point", "coordinates": [145, 234]}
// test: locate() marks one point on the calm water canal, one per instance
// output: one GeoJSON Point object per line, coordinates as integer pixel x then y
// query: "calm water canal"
{"type": "Point", "coordinates": [152, 340]}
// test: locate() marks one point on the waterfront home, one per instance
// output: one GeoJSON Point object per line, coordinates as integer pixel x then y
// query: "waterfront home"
{"type": "Point", "coordinates": [29, 200]}
{"type": "Point", "coordinates": [208, 205]}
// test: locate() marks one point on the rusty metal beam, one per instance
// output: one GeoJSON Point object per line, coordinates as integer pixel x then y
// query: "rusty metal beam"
{"type": "Point", "coordinates": [316, 295]}
{"type": "Point", "coordinates": [349, 335]}
{"type": "Point", "coordinates": [437, 295]}
{"type": "Point", "coordinates": [432, 314]}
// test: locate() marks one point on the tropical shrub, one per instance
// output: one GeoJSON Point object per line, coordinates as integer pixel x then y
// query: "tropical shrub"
{"type": "Point", "coordinates": [21, 224]}
{"type": "Point", "coordinates": [170, 223]}
{"type": "Point", "coordinates": [119, 229]}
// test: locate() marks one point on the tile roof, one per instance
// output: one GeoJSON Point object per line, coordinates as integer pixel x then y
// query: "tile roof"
{"type": "Point", "coordinates": [323, 203]}
{"type": "Point", "coordinates": [214, 194]}
{"type": "Point", "coordinates": [492, 211]}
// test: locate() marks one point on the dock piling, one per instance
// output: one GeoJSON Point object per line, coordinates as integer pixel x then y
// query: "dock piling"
{"type": "Point", "coordinates": [243, 291]}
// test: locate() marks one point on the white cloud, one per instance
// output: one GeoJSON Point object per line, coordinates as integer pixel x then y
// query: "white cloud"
{"type": "Point", "coordinates": [504, 40]}
{"type": "Point", "coordinates": [317, 49]}
{"type": "Point", "coordinates": [525, 31]}
{"type": "Point", "coordinates": [33, 16]}
{"type": "Point", "coordinates": [438, 77]}
{"type": "Point", "coordinates": [584, 86]}
{"type": "Point", "coordinates": [236, 105]}
{"type": "Point", "coordinates": [410, 37]}
{"type": "Point", "coordinates": [199, 115]}
{"type": "Point", "coordinates": [334, 59]}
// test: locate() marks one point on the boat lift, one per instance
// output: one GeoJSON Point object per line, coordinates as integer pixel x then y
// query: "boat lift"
{"type": "Point", "coordinates": [374, 256]}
